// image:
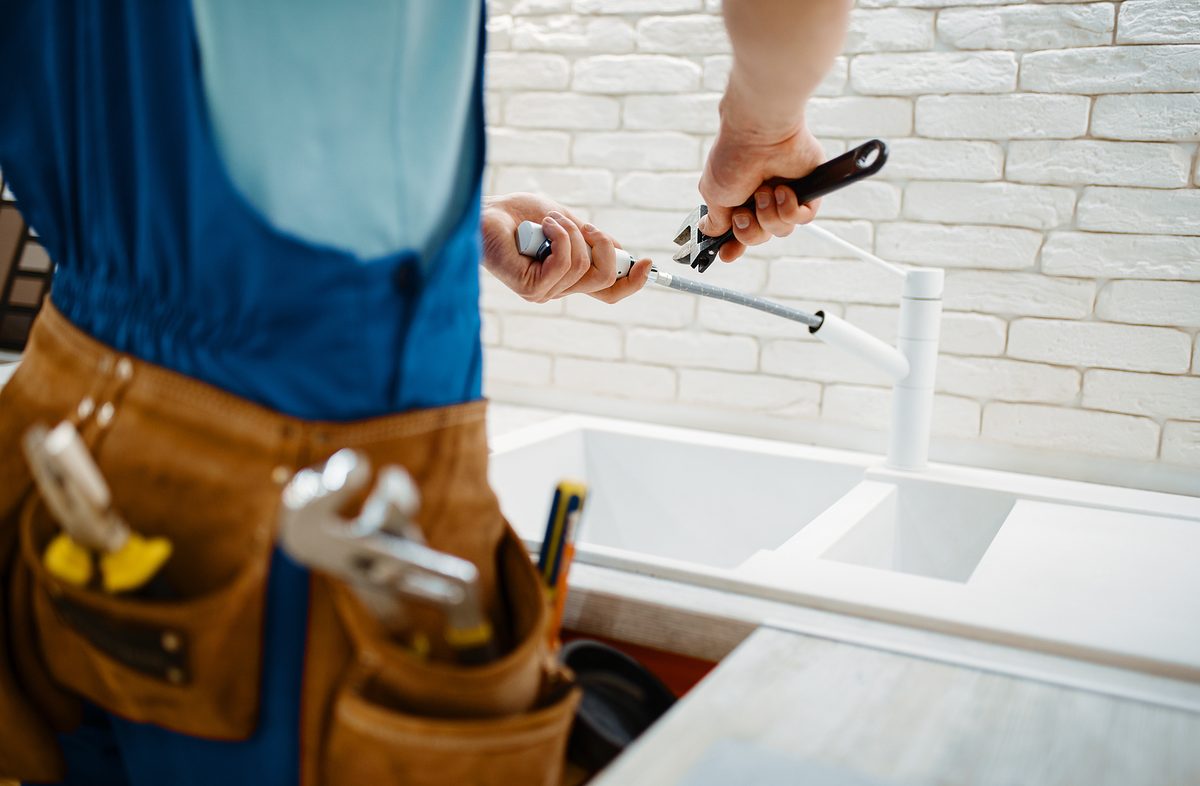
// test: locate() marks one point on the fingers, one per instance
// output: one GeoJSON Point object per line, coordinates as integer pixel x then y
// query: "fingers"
{"type": "Point", "coordinates": [777, 212]}
{"type": "Point", "coordinates": [602, 272]}
{"type": "Point", "coordinates": [731, 251]}
{"type": "Point", "coordinates": [767, 208]}
{"type": "Point", "coordinates": [638, 275]}
{"type": "Point", "coordinates": [747, 229]}
{"type": "Point", "coordinates": [789, 208]}
{"type": "Point", "coordinates": [548, 273]}
{"type": "Point", "coordinates": [574, 257]}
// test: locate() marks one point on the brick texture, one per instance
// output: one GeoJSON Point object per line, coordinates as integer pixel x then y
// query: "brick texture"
{"type": "Point", "coordinates": [1045, 152]}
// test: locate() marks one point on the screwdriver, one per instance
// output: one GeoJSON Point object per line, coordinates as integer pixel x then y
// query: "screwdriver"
{"type": "Point", "coordinates": [79, 498]}
{"type": "Point", "coordinates": [558, 546]}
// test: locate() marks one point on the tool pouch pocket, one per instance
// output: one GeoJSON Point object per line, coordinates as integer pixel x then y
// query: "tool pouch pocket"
{"type": "Point", "coordinates": [190, 661]}
{"type": "Point", "coordinates": [398, 718]}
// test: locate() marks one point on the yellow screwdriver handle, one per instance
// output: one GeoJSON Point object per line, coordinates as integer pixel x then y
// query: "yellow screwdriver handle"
{"type": "Point", "coordinates": [68, 561]}
{"type": "Point", "coordinates": [134, 564]}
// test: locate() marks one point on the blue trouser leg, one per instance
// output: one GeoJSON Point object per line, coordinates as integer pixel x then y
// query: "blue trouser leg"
{"type": "Point", "coordinates": [91, 752]}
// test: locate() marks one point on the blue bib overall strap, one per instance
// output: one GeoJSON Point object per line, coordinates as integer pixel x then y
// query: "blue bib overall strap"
{"type": "Point", "coordinates": [104, 135]}
{"type": "Point", "coordinates": [105, 139]}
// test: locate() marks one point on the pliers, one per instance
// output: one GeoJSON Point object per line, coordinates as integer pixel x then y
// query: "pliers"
{"type": "Point", "coordinates": [699, 250]}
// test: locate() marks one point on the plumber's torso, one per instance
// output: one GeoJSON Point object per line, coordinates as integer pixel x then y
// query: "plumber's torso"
{"type": "Point", "coordinates": [278, 198]}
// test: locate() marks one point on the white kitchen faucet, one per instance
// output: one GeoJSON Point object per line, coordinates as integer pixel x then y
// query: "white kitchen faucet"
{"type": "Point", "coordinates": [911, 364]}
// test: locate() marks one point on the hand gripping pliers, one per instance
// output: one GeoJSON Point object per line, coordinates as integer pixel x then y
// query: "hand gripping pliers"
{"type": "Point", "coordinates": [699, 250]}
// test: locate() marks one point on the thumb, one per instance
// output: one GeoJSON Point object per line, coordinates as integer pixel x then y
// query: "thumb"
{"type": "Point", "coordinates": [718, 220]}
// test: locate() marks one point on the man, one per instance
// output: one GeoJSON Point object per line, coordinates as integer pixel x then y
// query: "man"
{"type": "Point", "coordinates": [266, 220]}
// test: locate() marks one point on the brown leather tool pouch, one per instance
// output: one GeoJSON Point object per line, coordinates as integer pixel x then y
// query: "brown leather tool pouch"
{"type": "Point", "coordinates": [28, 749]}
{"type": "Point", "coordinates": [399, 718]}
{"type": "Point", "coordinates": [183, 461]}
{"type": "Point", "coordinates": [205, 469]}
{"type": "Point", "coordinates": [190, 662]}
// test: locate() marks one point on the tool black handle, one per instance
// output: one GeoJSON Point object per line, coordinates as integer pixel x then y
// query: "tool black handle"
{"type": "Point", "coordinates": [850, 167]}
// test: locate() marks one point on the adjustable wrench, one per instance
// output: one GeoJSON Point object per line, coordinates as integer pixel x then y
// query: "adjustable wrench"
{"type": "Point", "coordinates": [381, 553]}
{"type": "Point", "coordinates": [699, 250]}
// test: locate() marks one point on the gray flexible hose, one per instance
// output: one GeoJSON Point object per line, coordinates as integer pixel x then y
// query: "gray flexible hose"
{"type": "Point", "coordinates": [733, 296]}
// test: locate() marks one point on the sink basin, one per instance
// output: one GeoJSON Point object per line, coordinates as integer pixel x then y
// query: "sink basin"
{"type": "Point", "coordinates": [931, 529]}
{"type": "Point", "coordinates": [704, 499]}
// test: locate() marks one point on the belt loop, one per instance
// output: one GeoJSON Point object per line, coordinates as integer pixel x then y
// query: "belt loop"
{"type": "Point", "coordinates": [290, 454]}
{"type": "Point", "coordinates": [95, 412]}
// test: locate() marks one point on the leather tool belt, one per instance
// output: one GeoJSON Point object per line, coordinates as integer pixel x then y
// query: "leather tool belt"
{"type": "Point", "coordinates": [204, 469]}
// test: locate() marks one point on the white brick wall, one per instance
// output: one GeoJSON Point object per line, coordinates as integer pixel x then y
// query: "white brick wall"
{"type": "Point", "coordinates": [1045, 153]}
{"type": "Point", "coordinates": [1015, 116]}
{"type": "Point", "coordinates": [1158, 21]}
{"type": "Point", "coordinates": [1027, 26]}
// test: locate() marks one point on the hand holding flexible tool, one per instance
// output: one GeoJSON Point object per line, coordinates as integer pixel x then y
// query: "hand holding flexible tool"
{"type": "Point", "coordinates": [79, 499]}
{"type": "Point", "coordinates": [699, 250]}
{"type": "Point", "coordinates": [382, 553]}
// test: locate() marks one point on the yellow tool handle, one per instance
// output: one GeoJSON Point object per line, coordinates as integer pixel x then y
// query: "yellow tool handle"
{"type": "Point", "coordinates": [131, 567]}
{"type": "Point", "coordinates": [68, 561]}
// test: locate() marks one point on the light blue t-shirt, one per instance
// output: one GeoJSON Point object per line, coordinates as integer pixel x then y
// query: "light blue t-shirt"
{"type": "Point", "coordinates": [344, 123]}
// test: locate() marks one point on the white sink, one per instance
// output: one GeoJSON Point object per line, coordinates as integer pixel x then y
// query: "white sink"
{"type": "Point", "coordinates": [956, 549]}
{"type": "Point", "coordinates": [683, 496]}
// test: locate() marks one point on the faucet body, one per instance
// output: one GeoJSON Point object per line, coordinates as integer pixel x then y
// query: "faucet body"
{"type": "Point", "coordinates": [912, 395]}
{"type": "Point", "coordinates": [911, 364]}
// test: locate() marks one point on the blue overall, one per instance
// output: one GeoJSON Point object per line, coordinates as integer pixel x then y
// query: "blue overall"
{"type": "Point", "coordinates": [106, 142]}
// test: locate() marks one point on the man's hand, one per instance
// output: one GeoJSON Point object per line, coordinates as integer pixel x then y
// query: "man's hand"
{"type": "Point", "coordinates": [781, 51]}
{"type": "Point", "coordinates": [738, 165]}
{"type": "Point", "coordinates": [581, 260]}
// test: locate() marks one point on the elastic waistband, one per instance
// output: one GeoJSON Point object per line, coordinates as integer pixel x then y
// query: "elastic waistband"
{"type": "Point", "coordinates": [64, 364]}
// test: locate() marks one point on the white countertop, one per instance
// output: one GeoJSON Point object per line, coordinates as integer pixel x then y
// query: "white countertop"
{"type": "Point", "coordinates": [790, 708]}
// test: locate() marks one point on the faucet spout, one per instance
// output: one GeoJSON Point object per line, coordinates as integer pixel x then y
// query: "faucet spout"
{"type": "Point", "coordinates": [857, 342]}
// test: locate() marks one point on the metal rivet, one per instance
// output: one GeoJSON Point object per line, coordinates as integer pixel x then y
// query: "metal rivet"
{"type": "Point", "coordinates": [106, 364]}
{"type": "Point", "coordinates": [105, 415]}
{"type": "Point", "coordinates": [124, 368]}
{"type": "Point", "coordinates": [86, 407]}
{"type": "Point", "coordinates": [171, 642]}
{"type": "Point", "coordinates": [281, 474]}
{"type": "Point", "coordinates": [175, 675]}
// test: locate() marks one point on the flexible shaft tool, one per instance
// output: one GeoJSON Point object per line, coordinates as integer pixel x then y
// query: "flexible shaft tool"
{"type": "Point", "coordinates": [533, 243]}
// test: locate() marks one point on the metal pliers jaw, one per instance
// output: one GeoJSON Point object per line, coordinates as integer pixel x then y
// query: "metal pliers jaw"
{"type": "Point", "coordinates": [72, 487]}
{"type": "Point", "coordinates": [697, 249]}
{"type": "Point", "coordinates": [381, 552]}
